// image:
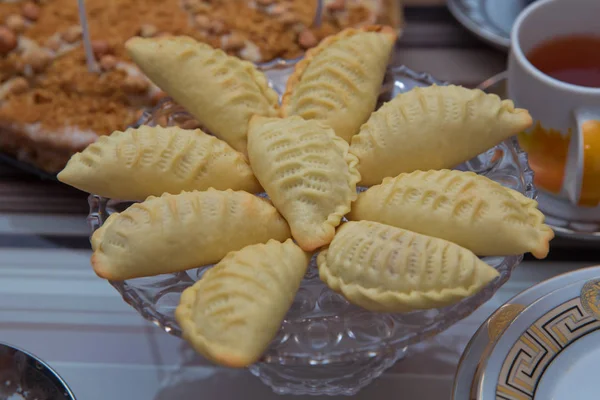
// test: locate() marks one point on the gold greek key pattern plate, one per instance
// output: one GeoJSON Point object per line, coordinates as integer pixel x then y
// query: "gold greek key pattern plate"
{"type": "Point", "coordinates": [480, 366]}
{"type": "Point", "coordinates": [549, 335]}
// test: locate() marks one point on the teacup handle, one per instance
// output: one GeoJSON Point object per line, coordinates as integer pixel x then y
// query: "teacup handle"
{"type": "Point", "coordinates": [573, 178]}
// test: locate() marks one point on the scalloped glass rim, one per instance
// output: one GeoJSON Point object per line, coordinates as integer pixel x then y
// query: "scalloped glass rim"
{"type": "Point", "coordinates": [497, 163]}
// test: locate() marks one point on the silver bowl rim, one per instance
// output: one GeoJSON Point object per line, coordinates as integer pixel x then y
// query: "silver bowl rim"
{"type": "Point", "coordinates": [45, 369]}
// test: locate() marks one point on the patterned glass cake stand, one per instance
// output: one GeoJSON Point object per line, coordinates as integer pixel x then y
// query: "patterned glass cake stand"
{"type": "Point", "coordinates": [326, 345]}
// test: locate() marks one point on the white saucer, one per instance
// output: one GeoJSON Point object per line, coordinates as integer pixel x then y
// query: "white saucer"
{"type": "Point", "coordinates": [490, 20]}
{"type": "Point", "coordinates": [478, 373]}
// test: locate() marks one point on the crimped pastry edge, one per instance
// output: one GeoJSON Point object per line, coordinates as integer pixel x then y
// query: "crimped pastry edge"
{"type": "Point", "coordinates": [301, 66]}
{"type": "Point", "coordinates": [259, 77]}
{"type": "Point", "coordinates": [506, 105]}
{"type": "Point", "coordinates": [546, 234]}
{"type": "Point", "coordinates": [334, 218]}
{"type": "Point", "coordinates": [352, 161]}
{"type": "Point", "coordinates": [98, 259]}
{"type": "Point", "coordinates": [100, 266]}
{"type": "Point", "coordinates": [374, 299]}
{"type": "Point", "coordinates": [362, 138]}
{"type": "Point", "coordinates": [115, 136]}
{"type": "Point", "coordinates": [214, 351]}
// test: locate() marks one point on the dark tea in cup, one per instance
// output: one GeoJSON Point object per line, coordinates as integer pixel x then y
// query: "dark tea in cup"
{"type": "Point", "coordinates": [573, 59]}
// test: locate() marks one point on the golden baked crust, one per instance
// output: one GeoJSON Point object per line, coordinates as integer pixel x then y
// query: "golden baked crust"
{"type": "Point", "coordinates": [434, 127]}
{"type": "Point", "coordinates": [231, 315]}
{"type": "Point", "coordinates": [221, 91]}
{"type": "Point", "coordinates": [178, 232]}
{"type": "Point", "coordinates": [307, 172]}
{"type": "Point", "coordinates": [338, 81]}
{"type": "Point", "coordinates": [462, 207]}
{"type": "Point", "coordinates": [150, 161]}
{"type": "Point", "coordinates": [300, 68]}
{"type": "Point", "coordinates": [387, 269]}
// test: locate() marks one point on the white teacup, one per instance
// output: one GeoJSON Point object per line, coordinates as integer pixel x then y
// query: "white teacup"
{"type": "Point", "coordinates": [567, 116]}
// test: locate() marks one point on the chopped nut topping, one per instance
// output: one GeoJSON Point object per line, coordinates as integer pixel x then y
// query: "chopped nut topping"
{"type": "Point", "coordinates": [135, 85]}
{"type": "Point", "coordinates": [15, 23]}
{"type": "Point", "coordinates": [336, 5]}
{"type": "Point", "coordinates": [72, 34]}
{"type": "Point", "coordinates": [8, 40]}
{"type": "Point", "coordinates": [37, 58]}
{"type": "Point", "coordinates": [233, 41]}
{"type": "Point", "coordinates": [108, 62]}
{"type": "Point", "coordinates": [100, 47]}
{"type": "Point", "coordinates": [148, 30]}
{"type": "Point", "coordinates": [307, 39]}
{"type": "Point", "coordinates": [53, 43]}
{"type": "Point", "coordinates": [18, 85]}
{"type": "Point", "coordinates": [202, 22]}
{"type": "Point", "coordinates": [44, 62]}
{"type": "Point", "coordinates": [276, 9]}
{"type": "Point", "coordinates": [251, 52]}
{"type": "Point", "coordinates": [217, 27]}
{"type": "Point", "coordinates": [31, 11]}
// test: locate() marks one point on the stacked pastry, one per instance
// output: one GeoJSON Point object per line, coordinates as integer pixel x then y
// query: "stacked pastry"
{"type": "Point", "coordinates": [411, 241]}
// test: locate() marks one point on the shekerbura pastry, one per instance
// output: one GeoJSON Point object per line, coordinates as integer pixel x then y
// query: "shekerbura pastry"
{"type": "Point", "coordinates": [150, 161]}
{"type": "Point", "coordinates": [462, 207]}
{"type": "Point", "coordinates": [233, 312]}
{"type": "Point", "coordinates": [433, 128]}
{"type": "Point", "coordinates": [307, 172]}
{"type": "Point", "coordinates": [221, 91]}
{"type": "Point", "coordinates": [338, 81]}
{"type": "Point", "coordinates": [388, 269]}
{"type": "Point", "coordinates": [178, 232]}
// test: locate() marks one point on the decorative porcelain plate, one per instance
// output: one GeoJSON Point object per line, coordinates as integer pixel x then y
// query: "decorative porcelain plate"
{"type": "Point", "coordinates": [325, 344]}
{"type": "Point", "coordinates": [542, 344]}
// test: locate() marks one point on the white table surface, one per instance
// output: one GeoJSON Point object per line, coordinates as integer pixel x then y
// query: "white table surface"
{"type": "Point", "coordinates": [53, 305]}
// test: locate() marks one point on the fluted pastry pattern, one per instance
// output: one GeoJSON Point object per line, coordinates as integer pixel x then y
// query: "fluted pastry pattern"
{"type": "Point", "coordinates": [462, 207]}
{"type": "Point", "coordinates": [178, 232]}
{"type": "Point", "coordinates": [150, 161]}
{"type": "Point", "coordinates": [307, 172]}
{"type": "Point", "coordinates": [338, 81]}
{"type": "Point", "coordinates": [233, 312]}
{"type": "Point", "coordinates": [433, 128]}
{"type": "Point", "coordinates": [388, 269]}
{"type": "Point", "coordinates": [221, 91]}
